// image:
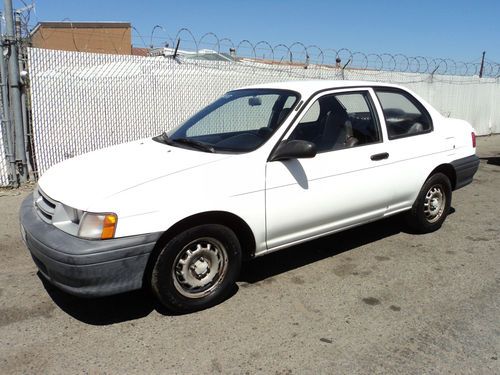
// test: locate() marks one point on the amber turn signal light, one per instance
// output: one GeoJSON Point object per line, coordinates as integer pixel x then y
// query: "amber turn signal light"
{"type": "Point", "coordinates": [109, 226]}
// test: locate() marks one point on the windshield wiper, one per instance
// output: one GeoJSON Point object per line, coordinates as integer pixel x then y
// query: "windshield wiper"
{"type": "Point", "coordinates": [163, 138]}
{"type": "Point", "coordinates": [196, 144]}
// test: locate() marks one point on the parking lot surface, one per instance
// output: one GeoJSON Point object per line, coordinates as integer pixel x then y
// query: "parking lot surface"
{"type": "Point", "coordinates": [374, 299]}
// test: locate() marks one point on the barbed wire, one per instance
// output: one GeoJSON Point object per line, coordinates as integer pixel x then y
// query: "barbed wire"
{"type": "Point", "coordinates": [298, 53]}
{"type": "Point", "coordinates": [313, 55]}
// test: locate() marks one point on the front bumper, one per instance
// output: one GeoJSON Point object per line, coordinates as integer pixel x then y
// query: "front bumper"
{"type": "Point", "coordinates": [82, 267]}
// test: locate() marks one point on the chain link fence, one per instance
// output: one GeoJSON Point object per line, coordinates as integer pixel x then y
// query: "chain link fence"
{"type": "Point", "coordinates": [85, 101]}
{"type": "Point", "coordinates": [4, 164]}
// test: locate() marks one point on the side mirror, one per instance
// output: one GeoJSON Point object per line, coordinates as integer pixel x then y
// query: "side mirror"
{"type": "Point", "coordinates": [294, 149]}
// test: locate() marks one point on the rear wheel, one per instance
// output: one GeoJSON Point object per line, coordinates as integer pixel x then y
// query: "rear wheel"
{"type": "Point", "coordinates": [197, 269]}
{"type": "Point", "coordinates": [432, 204]}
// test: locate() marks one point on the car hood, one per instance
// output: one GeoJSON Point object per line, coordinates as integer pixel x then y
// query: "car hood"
{"type": "Point", "coordinates": [84, 179]}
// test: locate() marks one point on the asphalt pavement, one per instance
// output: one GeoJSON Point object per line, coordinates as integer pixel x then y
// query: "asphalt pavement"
{"type": "Point", "coordinates": [374, 299]}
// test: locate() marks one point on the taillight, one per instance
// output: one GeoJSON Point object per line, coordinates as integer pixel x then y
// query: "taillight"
{"type": "Point", "coordinates": [473, 139]}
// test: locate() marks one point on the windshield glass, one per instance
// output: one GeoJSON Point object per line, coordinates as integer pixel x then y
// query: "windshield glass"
{"type": "Point", "coordinates": [239, 121]}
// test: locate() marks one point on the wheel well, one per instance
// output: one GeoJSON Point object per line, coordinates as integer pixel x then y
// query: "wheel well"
{"type": "Point", "coordinates": [449, 171]}
{"type": "Point", "coordinates": [232, 221]}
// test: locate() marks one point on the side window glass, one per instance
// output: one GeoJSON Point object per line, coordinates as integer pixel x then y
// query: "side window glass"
{"type": "Point", "coordinates": [403, 115]}
{"type": "Point", "coordinates": [312, 114]}
{"type": "Point", "coordinates": [338, 121]}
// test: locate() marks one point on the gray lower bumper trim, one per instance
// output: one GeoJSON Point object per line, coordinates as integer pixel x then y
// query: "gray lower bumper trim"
{"type": "Point", "coordinates": [84, 267]}
{"type": "Point", "coordinates": [465, 168]}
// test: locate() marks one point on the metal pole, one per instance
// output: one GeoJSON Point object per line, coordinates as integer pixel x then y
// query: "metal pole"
{"type": "Point", "coordinates": [15, 92]}
{"type": "Point", "coordinates": [482, 66]}
{"type": "Point", "coordinates": [6, 122]}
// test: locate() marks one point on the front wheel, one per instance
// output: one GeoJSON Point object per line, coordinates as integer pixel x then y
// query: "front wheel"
{"type": "Point", "coordinates": [197, 269]}
{"type": "Point", "coordinates": [432, 204]}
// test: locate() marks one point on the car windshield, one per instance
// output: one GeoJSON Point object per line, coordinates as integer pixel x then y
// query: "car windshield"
{"type": "Point", "coordinates": [239, 121]}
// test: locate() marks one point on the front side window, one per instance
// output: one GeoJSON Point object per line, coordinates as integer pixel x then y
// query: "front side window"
{"type": "Point", "coordinates": [404, 116]}
{"type": "Point", "coordinates": [339, 121]}
{"type": "Point", "coordinates": [240, 121]}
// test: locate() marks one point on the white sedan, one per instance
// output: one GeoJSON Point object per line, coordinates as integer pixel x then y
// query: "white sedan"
{"type": "Point", "coordinates": [258, 170]}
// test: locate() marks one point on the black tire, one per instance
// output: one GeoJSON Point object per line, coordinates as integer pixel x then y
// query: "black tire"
{"type": "Point", "coordinates": [432, 205]}
{"type": "Point", "coordinates": [208, 254]}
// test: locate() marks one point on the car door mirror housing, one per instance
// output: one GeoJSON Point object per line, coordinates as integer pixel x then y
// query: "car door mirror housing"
{"type": "Point", "coordinates": [294, 149]}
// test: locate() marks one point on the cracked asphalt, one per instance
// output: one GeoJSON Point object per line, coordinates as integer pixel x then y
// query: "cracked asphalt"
{"type": "Point", "coordinates": [370, 300]}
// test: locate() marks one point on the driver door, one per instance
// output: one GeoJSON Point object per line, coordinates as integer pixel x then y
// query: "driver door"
{"type": "Point", "coordinates": [343, 185]}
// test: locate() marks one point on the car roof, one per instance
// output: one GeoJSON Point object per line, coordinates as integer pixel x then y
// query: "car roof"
{"type": "Point", "coordinates": [307, 88]}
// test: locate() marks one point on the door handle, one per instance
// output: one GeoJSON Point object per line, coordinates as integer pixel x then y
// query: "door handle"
{"type": "Point", "coordinates": [381, 156]}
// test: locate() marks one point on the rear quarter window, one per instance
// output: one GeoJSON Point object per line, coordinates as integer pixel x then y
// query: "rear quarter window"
{"type": "Point", "coordinates": [404, 115]}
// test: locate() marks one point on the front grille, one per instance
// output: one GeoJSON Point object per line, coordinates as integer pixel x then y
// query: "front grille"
{"type": "Point", "coordinates": [44, 206]}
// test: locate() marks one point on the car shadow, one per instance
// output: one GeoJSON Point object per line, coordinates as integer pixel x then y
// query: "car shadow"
{"type": "Point", "coordinates": [139, 304]}
{"type": "Point", "coordinates": [109, 310]}
{"type": "Point", "coordinates": [494, 160]}
{"type": "Point", "coordinates": [297, 256]}
{"type": "Point", "coordinates": [104, 310]}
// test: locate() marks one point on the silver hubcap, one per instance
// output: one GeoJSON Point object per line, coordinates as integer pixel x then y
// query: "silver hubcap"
{"type": "Point", "coordinates": [200, 267]}
{"type": "Point", "coordinates": [434, 204]}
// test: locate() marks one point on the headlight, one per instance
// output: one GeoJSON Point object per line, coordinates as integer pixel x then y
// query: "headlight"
{"type": "Point", "coordinates": [98, 226]}
{"type": "Point", "coordinates": [95, 226]}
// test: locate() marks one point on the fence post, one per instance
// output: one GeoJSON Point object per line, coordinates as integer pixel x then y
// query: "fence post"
{"type": "Point", "coordinates": [15, 92]}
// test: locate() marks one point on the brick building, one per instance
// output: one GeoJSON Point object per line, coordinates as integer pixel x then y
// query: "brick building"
{"type": "Point", "coordinates": [101, 37]}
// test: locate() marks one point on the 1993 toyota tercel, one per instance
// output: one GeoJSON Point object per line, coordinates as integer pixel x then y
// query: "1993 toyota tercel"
{"type": "Point", "coordinates": [260, 169]}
